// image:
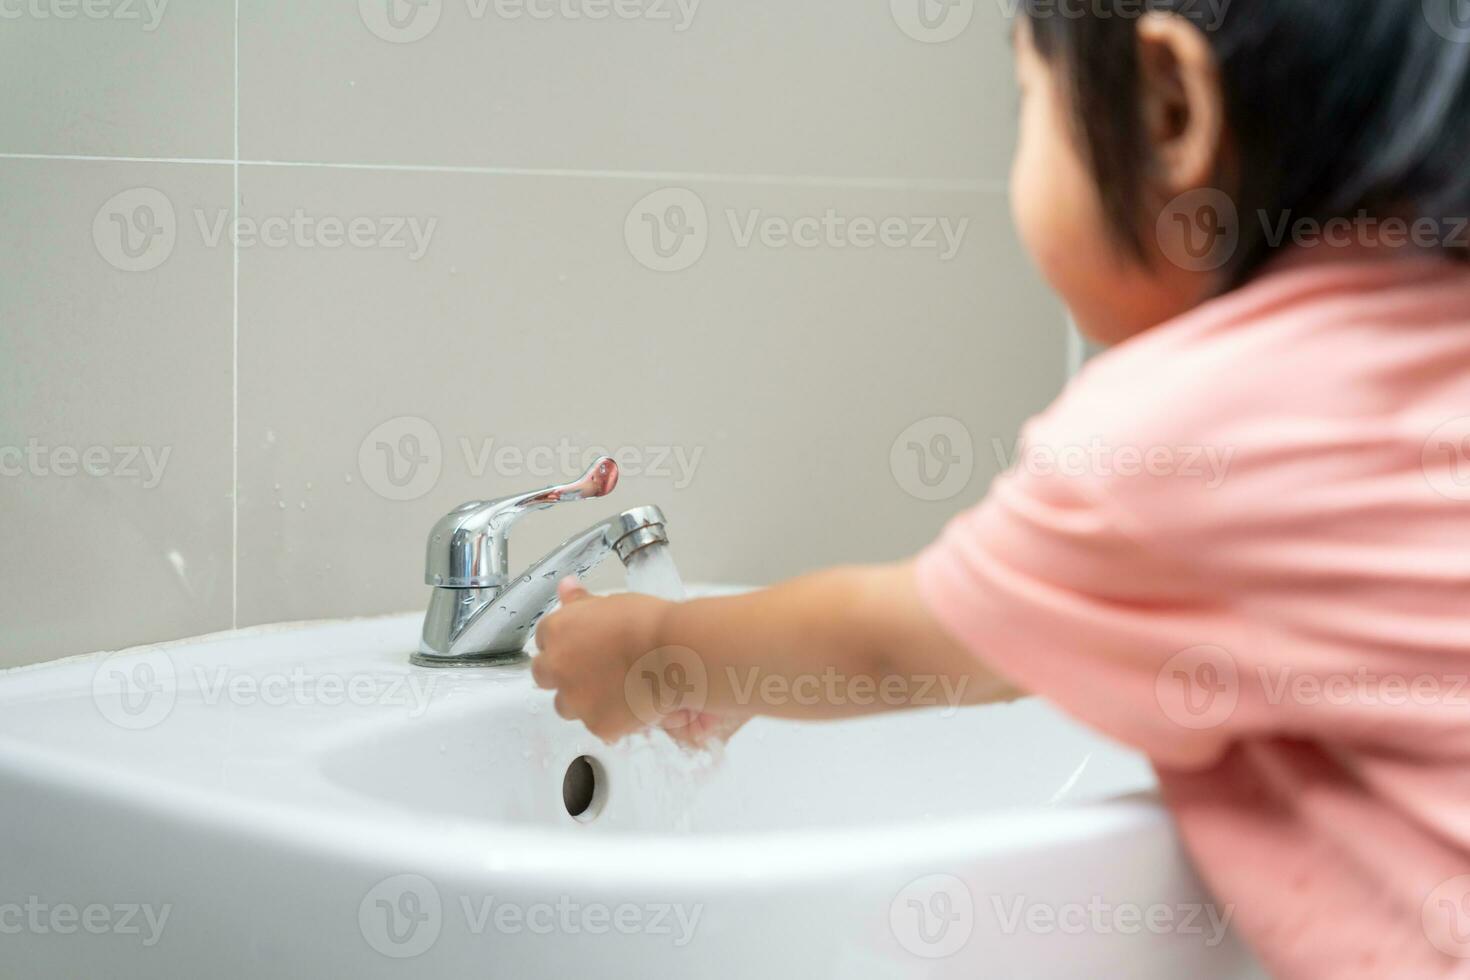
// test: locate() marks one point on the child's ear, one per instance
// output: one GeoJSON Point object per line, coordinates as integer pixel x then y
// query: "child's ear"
{"type": "Point", "coordinates": [1183, 104]}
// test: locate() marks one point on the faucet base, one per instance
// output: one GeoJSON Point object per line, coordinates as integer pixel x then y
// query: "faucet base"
{"type": "Point", "coordinates": [476, 660]}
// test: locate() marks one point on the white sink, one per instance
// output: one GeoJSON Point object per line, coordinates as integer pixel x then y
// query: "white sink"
{"type": "Point", "coordinates": [300, 802]}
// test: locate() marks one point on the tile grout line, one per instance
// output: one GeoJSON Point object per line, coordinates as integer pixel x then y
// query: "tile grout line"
{"type": "Point", "coordinates": [977, 185]}
{"type": "Point", "coordinates": [96, 158]}
{"type": "Point", "coordinates": [235, 358]}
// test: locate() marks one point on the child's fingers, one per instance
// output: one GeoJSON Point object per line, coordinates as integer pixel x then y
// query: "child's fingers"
{"type": "Point", "coordinates": [542, 673]}
{"type": "Point", "coordinates": [570, 590]}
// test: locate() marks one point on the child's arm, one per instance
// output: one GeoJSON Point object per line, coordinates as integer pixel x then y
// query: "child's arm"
{"type": "Point", "coordinates": [843, 642]}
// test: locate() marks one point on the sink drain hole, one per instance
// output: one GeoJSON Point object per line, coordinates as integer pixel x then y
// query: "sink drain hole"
{"type": "Point", "coordinates": [582, 788]}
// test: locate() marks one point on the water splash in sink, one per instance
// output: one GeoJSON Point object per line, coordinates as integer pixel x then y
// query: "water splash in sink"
{"type": "Point", "coordinates": [671, 776]}
{"type": "Point", "coordinates": [652, 571]}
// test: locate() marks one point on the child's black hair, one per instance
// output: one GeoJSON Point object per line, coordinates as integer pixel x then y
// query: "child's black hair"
{"type": "Point", "coordinates": [1334, 109]}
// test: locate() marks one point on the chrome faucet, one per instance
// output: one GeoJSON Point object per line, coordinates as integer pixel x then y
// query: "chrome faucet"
{"type": "Point", "coordinates": [480, 615]}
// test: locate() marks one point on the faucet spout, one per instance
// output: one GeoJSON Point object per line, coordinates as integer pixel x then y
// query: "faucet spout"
{"type": "Point", "coordinates": [474, 626]}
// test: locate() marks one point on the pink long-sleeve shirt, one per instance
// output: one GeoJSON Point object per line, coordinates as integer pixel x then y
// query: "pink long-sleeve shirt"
{"type": "Point", "coordinates": [1240, 542]}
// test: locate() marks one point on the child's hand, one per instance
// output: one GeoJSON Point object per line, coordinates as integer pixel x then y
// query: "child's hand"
{"type": "Point", "coordinates": [696, 669]}
{"type": "Point", "coordinates": [596, 654]}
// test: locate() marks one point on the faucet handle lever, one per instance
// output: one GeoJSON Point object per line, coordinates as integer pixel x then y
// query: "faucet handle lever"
{"type": "Point", "coordinates": [599, 481]}
{"type": "Point", "coordinates": [469, 547]}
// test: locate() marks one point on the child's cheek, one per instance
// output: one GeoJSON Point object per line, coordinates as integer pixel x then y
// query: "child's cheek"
{"type": "Point", "coordinates": [1041, 205]}
{"type": "Point", "coordinates": [1058, 213]}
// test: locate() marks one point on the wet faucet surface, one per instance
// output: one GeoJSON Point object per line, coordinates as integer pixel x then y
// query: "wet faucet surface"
{"type": "Point", "coordinates": [479, 614]}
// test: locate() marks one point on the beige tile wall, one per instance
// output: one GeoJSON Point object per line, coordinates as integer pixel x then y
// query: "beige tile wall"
{"type": "Point", "coordinates": [445, 284]}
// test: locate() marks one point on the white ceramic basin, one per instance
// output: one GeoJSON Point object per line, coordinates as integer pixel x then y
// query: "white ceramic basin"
{"type": "Point", "coordinates": [300, 802]}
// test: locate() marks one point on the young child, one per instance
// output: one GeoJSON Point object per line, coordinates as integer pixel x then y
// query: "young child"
{"type": "Point", "coordinates": [1289, 643]}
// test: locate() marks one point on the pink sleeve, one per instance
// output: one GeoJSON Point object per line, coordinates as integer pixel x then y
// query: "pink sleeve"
{"type": "Point", "coordinates": [1045, 583]}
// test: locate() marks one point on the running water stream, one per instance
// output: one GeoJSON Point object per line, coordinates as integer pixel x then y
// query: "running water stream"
{"type": "Point", "coordinates": [652, 571]}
